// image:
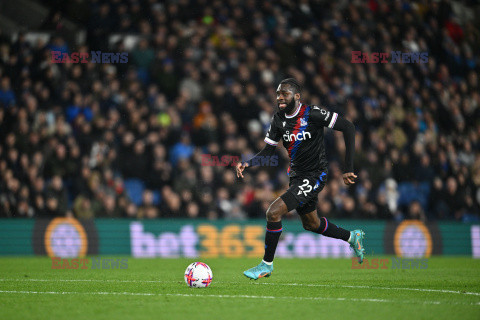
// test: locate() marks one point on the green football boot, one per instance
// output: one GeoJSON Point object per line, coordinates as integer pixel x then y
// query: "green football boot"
{"type": "Point", "coordinates": [260, 271]}
{"type": "Point", "coordinates": [356, 243]}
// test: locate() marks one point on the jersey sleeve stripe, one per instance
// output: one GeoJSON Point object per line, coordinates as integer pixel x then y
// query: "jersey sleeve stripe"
{"type": "Point", "coordinates": [270, 141]}
{"type": "Point", "coordinates": [334, 119]}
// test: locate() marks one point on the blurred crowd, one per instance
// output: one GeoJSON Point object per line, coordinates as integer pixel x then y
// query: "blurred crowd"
{"type": "Point", "coordinates": [202, 80]}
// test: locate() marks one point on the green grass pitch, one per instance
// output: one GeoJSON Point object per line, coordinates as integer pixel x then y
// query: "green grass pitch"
{"type": "Point", "coordinates": [298, 289]}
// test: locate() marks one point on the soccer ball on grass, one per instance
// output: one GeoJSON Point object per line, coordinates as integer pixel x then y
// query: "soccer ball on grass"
{"type": "Point", "coordinates": [198, 275]}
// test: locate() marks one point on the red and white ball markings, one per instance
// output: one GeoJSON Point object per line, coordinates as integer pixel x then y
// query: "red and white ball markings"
{"type": "Point", "coordinates": [198, 275]}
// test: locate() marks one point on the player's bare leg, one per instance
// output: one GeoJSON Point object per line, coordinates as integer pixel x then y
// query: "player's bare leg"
{"type": "Point", "coordinates": [274, 228]}
{"type": "Point", "coordinates": [312, 222]}
{"type": "Point", "coordinates": [277, 209]}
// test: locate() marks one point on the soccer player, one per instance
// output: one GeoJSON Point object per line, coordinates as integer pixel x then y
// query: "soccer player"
{"type": "Point", "coordinates": [301, 127]}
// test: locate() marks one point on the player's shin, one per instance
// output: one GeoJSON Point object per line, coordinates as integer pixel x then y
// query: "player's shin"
{"type": "Point", "coordinates": [272, 235]}
{"type": "Point", "coordinates": [329, 229]}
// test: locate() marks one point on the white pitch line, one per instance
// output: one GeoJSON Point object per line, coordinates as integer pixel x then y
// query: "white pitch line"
{"type": "Point", "coordinates": [369, 287]}
{"type": "Point", "coordinates": [275, 284]}
{"type": "Point", "coordinates": [89, 280]}
{"type": "Point", "coordinates": [237, 296]}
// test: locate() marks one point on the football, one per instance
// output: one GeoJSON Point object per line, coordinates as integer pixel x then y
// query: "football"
{"type": "Point", "coordinates": [198, 275]}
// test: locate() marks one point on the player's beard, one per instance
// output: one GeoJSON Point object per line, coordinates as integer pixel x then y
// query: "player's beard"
{"type": "Point", "coordinates": [289, 108]}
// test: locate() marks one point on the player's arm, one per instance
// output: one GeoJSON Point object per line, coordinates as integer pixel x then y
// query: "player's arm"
{"type": "Point", "coordinates": [331, 120]}
{"type": "Point", "coordinates": [348, 130]}
{"type": "Point", "coordinates": [267, 151]}
{"type": "Point", "coordinates": [271, 140]}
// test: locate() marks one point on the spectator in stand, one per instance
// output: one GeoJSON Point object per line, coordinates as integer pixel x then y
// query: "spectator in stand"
{"type": "Point", "coordinates": [147, 209]}
{"type": "Point", "coordinates": [201, 80]}
{"type": "Point", "coordinates": [7, 96]}
{"type": "Point", "coordinates": [416, 212]}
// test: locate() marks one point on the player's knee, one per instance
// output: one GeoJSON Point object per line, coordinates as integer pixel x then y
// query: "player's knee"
{"type": "Point", "coordinates": [274, 212]}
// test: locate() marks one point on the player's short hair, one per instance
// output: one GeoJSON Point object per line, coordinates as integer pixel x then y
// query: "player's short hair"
{"type": "Point", "coordinates": [296, 86]}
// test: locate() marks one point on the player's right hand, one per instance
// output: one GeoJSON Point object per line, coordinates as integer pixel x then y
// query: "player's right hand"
{"type": "Point", "coordinates": [239, 168]}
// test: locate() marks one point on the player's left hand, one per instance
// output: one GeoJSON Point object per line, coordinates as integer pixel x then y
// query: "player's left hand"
{"type": "Point", "coordinates": [349, 178]}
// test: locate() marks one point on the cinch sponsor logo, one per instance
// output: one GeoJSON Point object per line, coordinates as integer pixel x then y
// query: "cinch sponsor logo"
{"type": "Point", "coordinates": [95, 57]}
{"type": "Point", "coordinates": [396, 263]}
{"type": "Point", "coordinates": [209, 160]}
{"type": "Point", "coordinates": [383, 57]}
{"type": "Point", "coordinates": [304, 135]}
{"type": "Point", "coordinates": [83, 263]}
